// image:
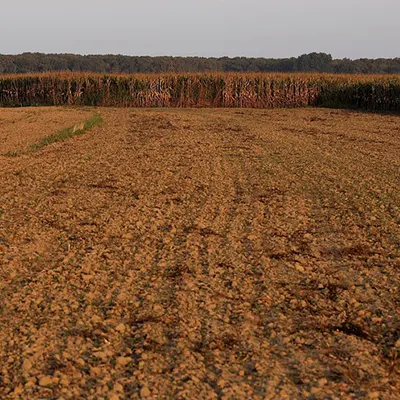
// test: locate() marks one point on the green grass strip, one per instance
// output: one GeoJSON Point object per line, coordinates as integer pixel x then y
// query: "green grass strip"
{"type": "Point", "coordinates": [60, 136]}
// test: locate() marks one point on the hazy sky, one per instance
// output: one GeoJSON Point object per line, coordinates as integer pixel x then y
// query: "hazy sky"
{"type": "Point", "coordinates": [259, 28]}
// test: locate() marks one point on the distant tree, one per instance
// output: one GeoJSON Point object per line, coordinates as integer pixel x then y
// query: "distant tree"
{"type": "Point", "coordinates": [313, 62]}
{"type": "Point", "coordinates": [7, 65]}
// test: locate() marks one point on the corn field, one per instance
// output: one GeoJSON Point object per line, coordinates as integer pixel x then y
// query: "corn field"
{"type": "Point", "coordinates": [376, 93]}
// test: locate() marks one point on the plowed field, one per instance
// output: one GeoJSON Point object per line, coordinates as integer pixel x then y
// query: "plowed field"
{"type": "Point", "coordinates": [21, 128]}
{"type": "Point", "coordinates": [200, 254]}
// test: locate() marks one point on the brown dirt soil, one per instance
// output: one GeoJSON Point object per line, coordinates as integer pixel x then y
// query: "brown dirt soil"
{"type": "Point", "coordinates": [203, 254]}
{"type": "Point", "coordinates": [20, 128]}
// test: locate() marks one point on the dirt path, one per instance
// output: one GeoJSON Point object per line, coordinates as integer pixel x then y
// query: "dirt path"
{"type": "Point", "coordinates": [204, 254]}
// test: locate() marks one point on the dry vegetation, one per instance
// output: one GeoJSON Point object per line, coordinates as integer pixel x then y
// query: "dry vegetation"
{"type": "Point", "coordinates": [201, 254]}
{"type": "Point", "coordinates": [273, 90]}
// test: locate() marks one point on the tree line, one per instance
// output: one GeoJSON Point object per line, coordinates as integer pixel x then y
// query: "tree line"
{"type": "Point", "coordinates": [313, 62]}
